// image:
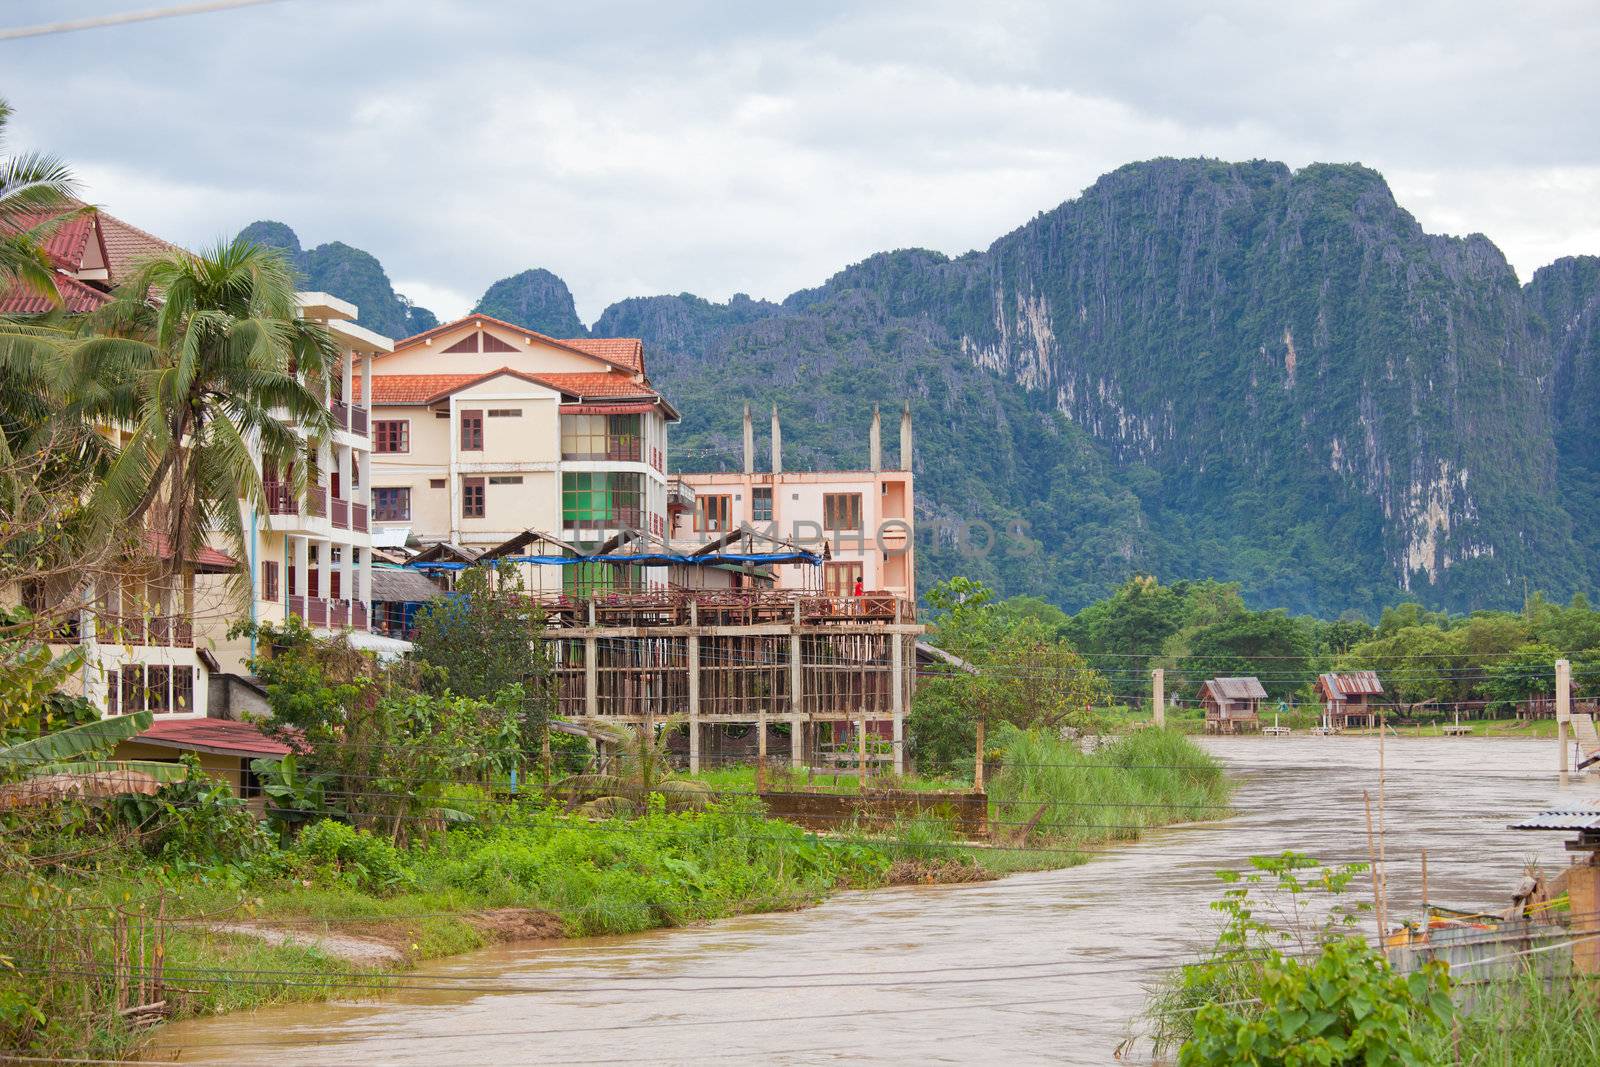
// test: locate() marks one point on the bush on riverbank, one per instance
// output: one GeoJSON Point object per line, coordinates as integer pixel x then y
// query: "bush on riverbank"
{"type": "Point", "coordinates": [1147, 779]}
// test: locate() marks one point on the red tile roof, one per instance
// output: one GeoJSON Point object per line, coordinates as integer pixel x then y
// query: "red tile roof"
{"type": "Point", "coordinates": [75, 297]}
{"type": "Point", "coordinates": [213, 735]}
{"type": "Point", "coordinates": [126, 245]}
{"type": "Point", "coordinates": [415, 389]}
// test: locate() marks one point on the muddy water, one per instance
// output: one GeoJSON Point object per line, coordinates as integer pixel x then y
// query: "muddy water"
{"type": "Point", "coordinates": [1046, 966]}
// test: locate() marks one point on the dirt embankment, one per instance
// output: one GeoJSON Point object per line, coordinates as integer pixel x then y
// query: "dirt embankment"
{"type": "Point", "coordinates": [382, 945]}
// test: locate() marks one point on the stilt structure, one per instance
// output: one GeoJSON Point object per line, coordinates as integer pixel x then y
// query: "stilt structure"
{"type": "Point", "coordinates": [739, 657]}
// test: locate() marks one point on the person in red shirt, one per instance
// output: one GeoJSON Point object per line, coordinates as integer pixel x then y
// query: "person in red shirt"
{"type": "Point", "coordinates": [858, 589]}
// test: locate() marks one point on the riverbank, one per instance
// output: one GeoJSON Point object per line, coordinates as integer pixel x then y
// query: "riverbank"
{"type": "Point", "coordinates": [342, 913]}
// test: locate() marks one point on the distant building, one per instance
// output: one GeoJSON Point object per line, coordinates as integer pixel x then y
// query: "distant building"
{"type": "Point", "coordinates": [863, 519]}
{"type": "Point", "coordinates": [1347, 699]}
{"type": "Point", "coordinates": [1232, 705]}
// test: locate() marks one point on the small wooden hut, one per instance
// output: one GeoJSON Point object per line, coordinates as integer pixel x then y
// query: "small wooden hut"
{"type": "Point", "coordinates": [1349, 699]}
{"type": "Point", "coordinates": [1232, 705]}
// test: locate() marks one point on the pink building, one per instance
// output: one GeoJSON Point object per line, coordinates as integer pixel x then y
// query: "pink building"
{"type": "Point", "coordinates": [865, 518]}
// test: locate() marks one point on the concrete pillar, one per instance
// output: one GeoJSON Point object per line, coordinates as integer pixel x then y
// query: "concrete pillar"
{"type": "Point", "coordinates": [749, 443]}
{"type": "Point", "coordinates": [777, 443]}
{"type": "Point", "coordinates": [694, 687]}
{"type": "Point", "coordinates": [1158, 693]}
{"type": "Point", "coordinates": [347, 367]}
{"type": "Point", "coordinates": [899, 703]}
{"type": "Point", "coordinates": [1563, 711]}
{"type": "Point", "coordinates": [302, 565]}
{"type": "Point", "coordinates": [905, 439]}
{"type": "Point", "coordinates": [875, 442]}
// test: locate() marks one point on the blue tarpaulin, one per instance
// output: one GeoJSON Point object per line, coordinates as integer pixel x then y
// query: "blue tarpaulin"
{"type": "Point", "coordinates": [657, 558]}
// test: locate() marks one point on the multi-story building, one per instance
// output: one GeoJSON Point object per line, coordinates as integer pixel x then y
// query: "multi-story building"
{"type": "Point", "coordinates": [483, 431]}
{"type": "Point", "coordinates": [311, 555]}
{"type": "Point", "coordinates": [864, 517]}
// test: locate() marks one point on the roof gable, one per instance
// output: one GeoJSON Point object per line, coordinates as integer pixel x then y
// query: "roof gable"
{"type": "Point", "coordinates": [621, 353]}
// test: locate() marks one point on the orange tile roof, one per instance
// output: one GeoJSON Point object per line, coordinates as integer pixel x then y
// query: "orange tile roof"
{"type": "Point", "coordinates": [75, 297]}
{"type": "Point", "coordinates": [414, 389]}
{"type": "Point", "coordinates": [208, 559]}
{"type": "Point", "coordinates": [627, 351]}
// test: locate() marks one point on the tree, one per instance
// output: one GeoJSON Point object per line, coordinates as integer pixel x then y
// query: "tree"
{"type": "Point", "coordinates": [1418, 664]}
{"type": "Point", "coordinates": [486, 638]}
{"type": "Point", "coordinates": [36, 193]}
{"type": "Point", "coordinates": [1268, 643]}
{"type": "Point", "coordinates": [216, 373]}
{"type": "Point", "coordinates": [1527, 673]}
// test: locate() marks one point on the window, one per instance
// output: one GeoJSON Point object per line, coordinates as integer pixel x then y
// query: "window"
{"type": "Point", "coordinates": [472, 431]}
{"type": "Point", "coordinates": [841, 511]}
{"type": "Point", "coordinates": [183, 689]}
{"type": "Point", "coordinates": [612, 437]}
{"type": "Point", "coordinates": [506, 479]}
{"type": "Point", "coordinates": [157, 686]}
{"type": "Point", "coordinates": [839, 579]}
{"type": "Point", "coordinates": [714, 513]}
{"type": "Point", "coordinates": [601, 500]}
{"type": "Point", "coordinates": [585, 579]}
{"type": "Point", "coordinates": [391, 435]}
{"type": "Point", "coordinates": [269, 579]}
{"type": "Point", "coordinates": [249, 783]}
{"type": "Point", "coordinates": [761, 504]}
{"type": "Point", "coordinates": [472, 498]}
{"type": "Point", "coordinates": [435, 483]}
{"type": "Point", "coordinates": [391, 504]}
{"type": "Point", "coordinates": [505, 413]}
{"type": "Point", "coordinates": [132, 688]}
{"type": "Point", "coordinates": [113, 692]}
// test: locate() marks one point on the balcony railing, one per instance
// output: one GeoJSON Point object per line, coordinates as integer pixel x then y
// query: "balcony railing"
{"type": "Point", "coordinates": [630, 517]}
{"type": "Point", "coordinates": [341, 513]}
{"type": "Point", "coordinates": [281, 500]}
{"type": "Point", "coordinates": [160, 631]}
{"type": "Point", "coordinates": [359, 615]}
{"type": "Point", "coordinates": [358, 517]}
{"type": "Point", "coordinates": [297, 606]}
{"type": "Point", "coordinates": [316, 611]}
{"type": "Point", "coordinates": [358, 421]}
{"type": "Point", "coordinates": [341, 414]}
{"type": "Point", "coordinates": [624, 448]}
{"type": "Point", "coordinates": [338, 614]}
{"type": "Point", "coordinates": [317, 501]}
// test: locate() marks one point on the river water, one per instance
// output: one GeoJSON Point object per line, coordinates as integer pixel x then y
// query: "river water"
{"type": "Point", "coordinates": [1049, 966]}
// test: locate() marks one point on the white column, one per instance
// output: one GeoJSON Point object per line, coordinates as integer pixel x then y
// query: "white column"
{"type": "Point", "coordinates": [1158, 692]}
{"type": "Point", "coordinates": [301, 547]}
{"type": "Point", "coordinates": [1563, 709]}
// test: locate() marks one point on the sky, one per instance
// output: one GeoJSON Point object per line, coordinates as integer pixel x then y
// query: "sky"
{"type": "Point", "coordinates": [717, 148]}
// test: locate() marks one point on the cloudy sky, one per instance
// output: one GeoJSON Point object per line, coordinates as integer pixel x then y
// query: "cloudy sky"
{"type": "Point", "coordinates": [638, 148]}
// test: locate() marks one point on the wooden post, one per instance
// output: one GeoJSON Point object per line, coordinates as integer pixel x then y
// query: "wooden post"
{"type": "Point", "coordinates": [861, 750]}
{"type": "Point", "coordinates": [1158, 686]}
{"type": "Point", "coordinates": [694, 687]}
{"type": "Point", "coordinates": [761, 747]}
{"type": "Point", "coordinates": [1425, 923]}
{"type": "Point", "coordinates": [1563, 711]}
{"type": "Point", "coordinates": [1583, 890]}
{"type": "Point", "coordinates": [977, 761]}
{"type": "Point", "coordinates": [899, 704]}
{"type": "Point", "coordinates": [591, 670]}
{"type": "Point", "coordinates": [1372, 861]}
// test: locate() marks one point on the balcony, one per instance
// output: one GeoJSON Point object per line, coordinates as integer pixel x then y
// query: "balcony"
{"type": "Point", "coordinates": [158, 631]}
{"type": "Point", "coordinates": [622, 448]}
{"type": "Point", "coordinates": [341, 513]}
{"type": "Point", "coordinates": [281, 499]}
{"type": "Point", "coordinates": [339, 614]}
{"type": "Point", "coordinates": [620, 517]}
{"type": "Point", "coordinates": [348, 417]}
{"type": "Point", "coordinates": [358, 517]}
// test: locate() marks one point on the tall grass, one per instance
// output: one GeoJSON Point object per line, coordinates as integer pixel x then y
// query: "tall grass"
{"type": "Point", "coordinates": [1150, 778]}
{"type": "Point", "coordinates": [1522, 1021]}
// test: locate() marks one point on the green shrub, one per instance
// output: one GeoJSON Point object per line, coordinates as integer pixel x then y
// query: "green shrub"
{"type": "Point", "coordinates": [353, 856]}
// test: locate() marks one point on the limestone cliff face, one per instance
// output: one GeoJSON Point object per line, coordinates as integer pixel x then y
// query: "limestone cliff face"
{"type": "Point", "coordinates": [535, 299]}
{"type": "Point", "coordinates": [1303, 390]}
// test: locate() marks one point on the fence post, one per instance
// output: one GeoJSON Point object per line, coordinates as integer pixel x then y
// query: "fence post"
{"type": "Point", "coordinates": [899, 704]}
{"type": "Point", "coordinates": [694, 686]}
{"type": "Point", "coordinates": [1158, 687]}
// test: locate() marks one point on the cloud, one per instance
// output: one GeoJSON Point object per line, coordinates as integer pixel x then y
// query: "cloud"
{"type": "Point", "coordinates": [635, 148]}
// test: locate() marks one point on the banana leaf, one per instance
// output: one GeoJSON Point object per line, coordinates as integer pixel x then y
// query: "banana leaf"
{"type": "Point", "coordinates": [74, 743]}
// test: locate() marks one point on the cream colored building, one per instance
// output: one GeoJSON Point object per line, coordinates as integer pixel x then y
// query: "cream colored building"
{"type": "Point", "coordinates": [864, 517]}
{"type": "Point", "coordinates": [311, 555]}
{"type": "Point", "coordinates": [483, 430]}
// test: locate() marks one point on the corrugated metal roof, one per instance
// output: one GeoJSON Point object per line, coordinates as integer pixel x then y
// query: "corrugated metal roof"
{"type": "Point", "coordinates": [1353, 684]}
{"type": "Point", "coordinates": [1237, 689]}
{"type": "Point", "coordinates": [1581, 818]}
{"type": "Point", "coordinates": [406, 586]}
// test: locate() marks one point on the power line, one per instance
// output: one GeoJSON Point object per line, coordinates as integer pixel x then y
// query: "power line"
{"type": "Point", "coordinates": [147, 15]}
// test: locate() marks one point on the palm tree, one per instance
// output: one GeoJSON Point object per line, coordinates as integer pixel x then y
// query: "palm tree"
{"type": "Point", "coordinates": [36, 196]}
{"type": "Point", "coordinates": [202, 364]}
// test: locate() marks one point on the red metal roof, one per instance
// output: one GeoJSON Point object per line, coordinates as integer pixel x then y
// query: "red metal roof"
{"type": "Point", "coordinates": [208, 559]}
{"type": "Point", "coordinates": [1236, 689]}
{"type": "Point", "coordinates": [222, 736]}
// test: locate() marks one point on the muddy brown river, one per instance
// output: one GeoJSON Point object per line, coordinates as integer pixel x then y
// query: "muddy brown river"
{"type": "Point", "coordinates": [1051, 966]}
